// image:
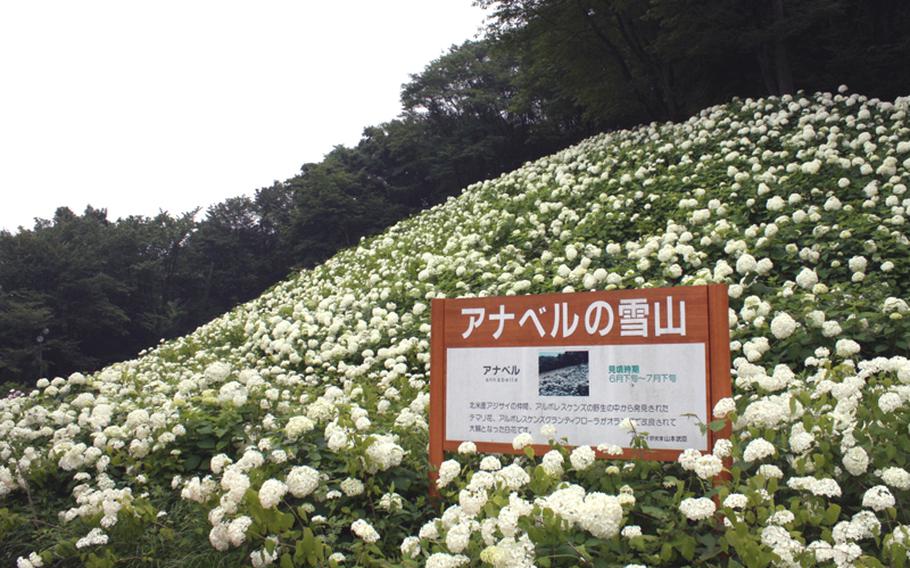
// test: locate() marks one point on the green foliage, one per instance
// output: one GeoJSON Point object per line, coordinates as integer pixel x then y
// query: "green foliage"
{"type": "Point", "coordinates": [624, 62]}
{"type": "Point", "coordinates": [162, 455]}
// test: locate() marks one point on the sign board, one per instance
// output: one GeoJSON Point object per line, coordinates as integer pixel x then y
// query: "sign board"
{"type": "Point", "coordinates": [582, 362]}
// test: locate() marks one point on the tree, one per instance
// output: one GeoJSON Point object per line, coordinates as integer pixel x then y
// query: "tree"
{"type": "Point", "coordinates": [239, 249]}
{"type": "Point", "coordinates": [608, 51]}
{"type": "Point", "coordinates": [28, 347]}
{"type": "Point", "coordinates": [629, 61]}
{"type": "Point", "coordinates": [101, 290]}
{"type": "Point", "coordinates": [158, 272]}
{"type": "Point", "coordinates": [335, 203]}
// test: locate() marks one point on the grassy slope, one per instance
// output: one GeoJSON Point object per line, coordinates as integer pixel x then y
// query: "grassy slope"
{"type": "Point", "coordinates": [350, 337]}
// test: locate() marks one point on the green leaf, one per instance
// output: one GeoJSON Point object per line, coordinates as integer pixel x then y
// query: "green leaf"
{"type": "Point", "coordinates": [686, 547]}
{"type": "Point", "coordinates": [868, 562]}
{"type": "Point", "coordinates": [282, 521]}
{"type": "Point", "coordinates": [106, 561]}
{"type": "Point", "coordinates": [192, 462]}
{"type": "Point", "coordinates": [656, 512]}
{"type": "Point", "coordinates": [832, 513]}
{"type": "Point", "coordinates": [898, 555]}
{"type": "Point", "coordinates": [717, 425]}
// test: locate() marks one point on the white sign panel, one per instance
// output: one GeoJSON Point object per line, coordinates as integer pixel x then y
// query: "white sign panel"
{"type": "Point", "coordinates": [493, 394]}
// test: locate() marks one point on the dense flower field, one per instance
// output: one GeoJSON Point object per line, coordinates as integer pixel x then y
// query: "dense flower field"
{"type": "Point", "coordinates": [293, 430]}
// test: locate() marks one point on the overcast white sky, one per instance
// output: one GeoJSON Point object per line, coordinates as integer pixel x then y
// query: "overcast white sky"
{"type": "Point", "coordinates": [141, 106]}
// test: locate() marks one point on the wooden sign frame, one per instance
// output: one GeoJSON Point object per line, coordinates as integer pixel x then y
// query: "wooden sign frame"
{"type": "Point", "coordinates": [708, 319]}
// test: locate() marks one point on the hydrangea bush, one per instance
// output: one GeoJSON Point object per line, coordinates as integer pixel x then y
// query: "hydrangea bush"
{"type": "Point", "coordinates": [293, 430]}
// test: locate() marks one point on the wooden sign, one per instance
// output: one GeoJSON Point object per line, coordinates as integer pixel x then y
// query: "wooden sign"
{"type": "Point", "coordinates": [583, 363]}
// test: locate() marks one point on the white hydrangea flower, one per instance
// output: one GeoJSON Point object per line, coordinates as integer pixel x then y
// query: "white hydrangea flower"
{"type": "Point", "coordinates": [758, 449]}
{"type": "Point", "coordinates": [364, 531]}
{"type": "Point", "coordinates": [745, 264]}
{"type": "Point", "coordinates": [782, 517]}
{"type": "Point", "coordinates": [522, 440]}
{"type": "Point", "coordinates": [783, 325]}
{"type": "Point", "coordinates": [448, 471]}
{"type": "Point", "coordinates": [410, 547]}
{"type": "Point", "coordinates": [783, 545]}
{"type": "Point", "coordinates": [490, 463]}
{"type": "Point", "coordinates": [901, 535]}
{"type": "Point", "coordinates": [298, 426]}
{"type": "Point", "coordinates": [513, 476]}
{"type": "Point", "coordinates": [723, 407]}
{"type": "Point", "coordinates": [552, 463]}
{"type": "Point", "coordinates": [831, 329]}
{"type": "Point", "coordinates": [723, 448]}
{"type": "Point", "coordinates": [271, 493]}
{"type": "Point", "coordinates": [856, 461]}
{"type": "Point", "coordinates": [736, 501]}
{"type": "Point", "coordinates": [262, 557]}
{"type": "Point", "coordinates": [302, 480]}
{"type": "Point", "coordinates": [770, 471]}
{"type": "Point", "coordinates": [597, 513]}
{"type": "Point", "coordinates": [800, 440]}
{"type": "Point", "coordinates": [610, 449]}
{"type": "Point", "coordinates": [708, 466]}
{"type": "Point", "coordinates": [582, 458]}
{"type": "Point", "coordinates": [429, 531]}
{"type": "Point", "coordinates": [846, 347]}
{"type": "Point", "coordinates": [824, 487]}
{"type": "Point", "coordinates": [687, 458]}
{"type": "Point", "coordinates": [95, 537]}
{"type": "Point", "coordinates": [458, 537]}
{"type": "Point", "coordinates": [351, 487]}
{"type": "Point", "coordinates": [807, 278]}
{"type": "Point", "coordinates": [889, 402]}
{"type": "Point", "coordinates": [896, 477]}
{"type": "Point", "coordinates": [697, 508]}
{"type": "Point", "coordinates": [33, 561]}
{"type": "Point", "coordinates": [858, 263]}
{"type": "Point", "coordinates": [775, 203]}
{"type": "Point", "coordinates": [237, 528]}
{"type": "Point", "coordinates": [467, 448]}
{"type": "Point", "coordinates": [217, 371]}
{"type": "Point", "coordinates": [878, 498]}
{"type": "Point", "coordinates": [383, 453]}
{"type": "Point", "coordinates": [444, 560]}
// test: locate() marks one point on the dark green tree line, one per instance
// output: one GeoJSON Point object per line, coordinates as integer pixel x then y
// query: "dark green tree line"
{"type": "Point", "coordinates": [632, 61]}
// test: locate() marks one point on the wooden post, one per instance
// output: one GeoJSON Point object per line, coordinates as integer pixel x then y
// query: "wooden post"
{"type": "Point", "coordinates": [437, 390]}
{"type": "Point", "coordinates": [719, 349]}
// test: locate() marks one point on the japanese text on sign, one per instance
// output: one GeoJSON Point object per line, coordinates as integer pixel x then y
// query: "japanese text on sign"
{"type": "Point", "coordinates": [635, 316]}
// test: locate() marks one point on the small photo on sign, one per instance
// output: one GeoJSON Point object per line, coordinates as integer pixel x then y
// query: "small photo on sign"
{"type": "Point", "coordinates": [563, 373]}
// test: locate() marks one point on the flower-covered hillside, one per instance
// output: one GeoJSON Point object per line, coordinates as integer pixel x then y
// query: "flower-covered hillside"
{"type": "Point", "coordinates": [293, 430]}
